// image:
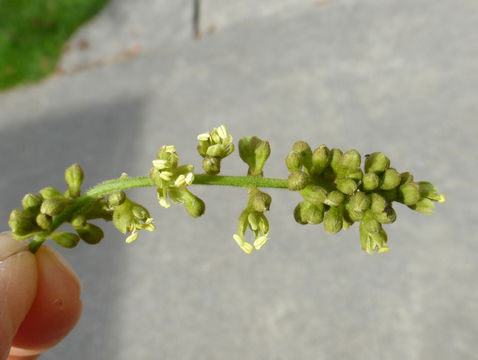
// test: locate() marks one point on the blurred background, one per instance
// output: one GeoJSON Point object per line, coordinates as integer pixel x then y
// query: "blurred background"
{"type": "Point", "coordinates": [393, 76]}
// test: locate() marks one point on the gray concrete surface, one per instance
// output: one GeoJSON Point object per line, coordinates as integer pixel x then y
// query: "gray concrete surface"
{"type": "Point", "coordinates": [394, 76]}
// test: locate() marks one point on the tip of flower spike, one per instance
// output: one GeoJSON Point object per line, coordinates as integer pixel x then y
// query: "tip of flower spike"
{"type": "Point", "coordinates": [170, 149]}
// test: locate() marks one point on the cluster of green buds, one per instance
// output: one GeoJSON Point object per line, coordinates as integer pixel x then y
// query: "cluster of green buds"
{"type": "Point", "coordinates": [254, 152]}
{"type": "Point", "coordinates": [213, 147]}
{"type": "Point", "coordinates": [338, 193]}
{"type": "Point", "coordinates": [172, 181]}
{"type": "Point", "coordinates": [36, 219]}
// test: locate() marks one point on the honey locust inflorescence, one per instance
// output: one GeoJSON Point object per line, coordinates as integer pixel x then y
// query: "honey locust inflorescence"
{"type": "Point", "coordinates": [335, 191]}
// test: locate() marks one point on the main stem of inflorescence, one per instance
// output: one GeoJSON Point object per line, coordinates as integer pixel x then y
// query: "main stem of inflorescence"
{"type": "Point", "coordinates": [145, 181]}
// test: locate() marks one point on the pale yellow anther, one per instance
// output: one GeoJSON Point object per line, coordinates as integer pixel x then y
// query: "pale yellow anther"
{"type": "Point", "coordinates": [215, 137]}
{"type": "Point", "coordinates": [180, 180]}
{"type": "Point", "coordinates": [222, 132]}
{"type": "Point", "coordinates": [132, 237]}
{"type": "Point", "coordinates": [149, 227]}
{"type": "Point", "coordinates": [260, 242]}
{"type": "Point", "coordinates": [189, 178]}
{"type": "Point", "coordinates": [238, 239]}
{"type": "Point", "coordinates": [165, 175]}
{"type": "Point", "coordinates": [204, 137]}
{"type": "Point", "coordinates": [164, 203]}
{"type": "Point", "coordinates": [161, 164]}
{"type": "Point", "coordinates": [247, 247]}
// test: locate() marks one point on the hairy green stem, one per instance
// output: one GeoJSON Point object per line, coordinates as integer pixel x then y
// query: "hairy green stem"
{"type": "Point", "coordinates": [130, 183]}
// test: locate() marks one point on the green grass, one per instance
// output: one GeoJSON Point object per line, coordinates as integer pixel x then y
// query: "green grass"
{"type": "Point", "coordinates": [32, 35]}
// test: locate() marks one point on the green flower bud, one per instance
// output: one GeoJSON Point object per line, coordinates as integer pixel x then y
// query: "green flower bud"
{"type": "Point", "coordinates": [356, 175]}
{"type": "Point", "coordinates": [334, 198]}
{"type": "Point", "coordinates": [409, 193]}
{"type": "Point", "coordinates": [262, 152]}
{"type": "Point", "coordinates": [44, 221]}
{"type": "Point", "coordinates": [347, 186]}
{"type": "Point", "coordinates": [314, 194]}
{"type": "Point", "coordinates": [352, 215]}
{"type": "Point", "coordinates": [253, 219]}
{"type": "Point", "coordinates": [424, 206]}
{"type": "Point", "coordinates": [91, 234]}
{"type": "Point", "coordinates": [293, 161]}
{"type": "Point", "coordinates": [375, 240]}
{"type": "Point", "coordinates": [211, 165]}
{"type": "Point", "coordinates": [78, 221]}
{"type": "Point", "coordinates": [388, 216]}
{"type": "Point", "coordinates": [370, 181]}
{"type": "Point", "coordinates": [307, 213]}
{"type": "Point", "coordinates": [305, 152]}
{"type": "Point", "coordinates": [390, 179]}
{"type": "Point", "coordinates": [65, 239]}
{"type": "Point", "coordinates": [297, 180]}
{"type": "Point", "coordinates": [54, 206]}
{"type": "Point", "coordinates": [140, 212]}
{"type": "Point", "coordinates": [320, 159]}
{"type": "Point", "coordinates": [405, 178]}
{"type": "Point", "coordinates": [378, 203]}
{"type": "Point", "coordinates": [335, 162]}
{"type": "Point", "coordinates": [359, 202]}
{"type": "Point", "coordinates": [247, 147]}
{"type": "Point", "coordinates": [202, 148]}
{"type": "Point", "coordinates": [350, 160]}
{"type": "Point", "coordinates": [346, 222]}
{"type": "Point", "coordinates": [50, 192]}
{"type": "Point", "coordinates": [22, 222]}
{"type": "Point", "coordinates": [31, 201]}
{"type": "Point", "coordinates": [123, 217]}
{"type": "Point", "coordinates": [261, 201]}
{"type": "Point", "coordinates": [333, 220]}
{"type": "Point", "coordinates": [74, 178]}
{"type": "Point", "coordinates": [194, 205]}
{"type": "Point", "coordinates": [376, 162]}
{"type": "Point", "coordinates": [116, 198]}
{"type": "Point", "coordinates": [217, 150]}
{"type": "Point", "coordinates": [369, 223]}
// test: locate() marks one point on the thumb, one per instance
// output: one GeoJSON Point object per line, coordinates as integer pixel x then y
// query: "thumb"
{"type": "Point", "coordinates": [18, 284]}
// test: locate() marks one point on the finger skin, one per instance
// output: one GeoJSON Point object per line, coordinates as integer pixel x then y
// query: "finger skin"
{"type": "Point", "coordinates": [56, 308]}
{"type": "Point", "coordinates": [18, 284]}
